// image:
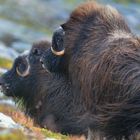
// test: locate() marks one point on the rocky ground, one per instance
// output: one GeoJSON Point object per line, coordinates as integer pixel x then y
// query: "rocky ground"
{"type": "Point", "coordinates": [23, 22]}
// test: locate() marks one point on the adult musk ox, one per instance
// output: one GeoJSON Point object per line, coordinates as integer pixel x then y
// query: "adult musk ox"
{"type": "Point", "coordinates": [101, 57]}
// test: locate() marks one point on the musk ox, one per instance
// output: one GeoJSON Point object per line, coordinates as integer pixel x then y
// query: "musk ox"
{"type": "Point", "coordinates": [101, 57]}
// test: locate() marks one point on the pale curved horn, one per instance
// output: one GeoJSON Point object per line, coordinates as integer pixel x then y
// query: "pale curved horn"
{"type": "Point", "coordinates": [57, 42]}
{"type": "Point", "coordinates": [26, 73]}
{"type": "Point", "coordinates": [59, 53]}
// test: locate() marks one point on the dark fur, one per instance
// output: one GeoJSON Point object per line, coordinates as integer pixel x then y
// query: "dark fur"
{"type": "Point", "coordinates": [47, 97]}
{"type": "Point", "coordinates": [102, 60]}
{"type": "Point", "coordinates": [43, 96]}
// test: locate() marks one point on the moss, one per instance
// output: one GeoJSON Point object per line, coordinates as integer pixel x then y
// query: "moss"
{"type": "Point", "coordinates": [5, 63]}
{"type": "Point", "coordinates": [57, 136]}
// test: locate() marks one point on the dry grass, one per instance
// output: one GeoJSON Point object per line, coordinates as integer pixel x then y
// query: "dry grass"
{"type": "Point", "coordinates": [30, 129]}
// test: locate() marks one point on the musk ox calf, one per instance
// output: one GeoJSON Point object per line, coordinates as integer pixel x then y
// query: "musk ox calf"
{"type": "Point", "coordinates": [46, 97]}
{"type": "Point", "coordinates": [101, 57]}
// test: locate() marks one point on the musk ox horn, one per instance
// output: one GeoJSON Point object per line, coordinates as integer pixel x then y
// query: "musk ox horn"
{"type": "Point", "coordinates": [27, 70]}
{"type": "Point", "coordinates": [57, 42]}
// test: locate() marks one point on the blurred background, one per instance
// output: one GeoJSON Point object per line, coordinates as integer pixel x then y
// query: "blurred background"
{"type": "Point", "coordinates": [21, 23]}
{"type": "Point", "coordinates": [25, 21]}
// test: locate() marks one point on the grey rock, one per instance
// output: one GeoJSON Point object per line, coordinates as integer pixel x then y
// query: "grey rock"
{"type": "Point", "coordinates": [2, 70]}
{"type": "Point", "coordinates": [9, 102]}
{"type": "Point", "coordinates": [21, 46]}
{"type": "Point", "coordinates": [8, 53]}
{"type": "Point", "coordinates": [19, 32]}
{"type": "Point", "coordinates": [8, 38]}
{"type": "Point", "coordinates": [7, 122]}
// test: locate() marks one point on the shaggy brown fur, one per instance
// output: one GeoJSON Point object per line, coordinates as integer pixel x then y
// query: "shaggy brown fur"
{"type": "Point", "coordinates": [102, 60]}
{"type": "Point", "coordinates": [90, 41]}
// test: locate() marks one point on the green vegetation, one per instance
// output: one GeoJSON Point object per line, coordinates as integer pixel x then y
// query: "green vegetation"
{"type": "Point", "coordinates": [127, 1]}
{"type": "Point", "coordinates": [13, 135]}
{"type": "Point", "coordinates": [54, 135]}
{"type": "Point", "coordinates": [5, 63]}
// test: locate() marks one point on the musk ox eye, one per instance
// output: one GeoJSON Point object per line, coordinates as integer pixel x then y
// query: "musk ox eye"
{"type": "Point", "coordinates": [23, 68]}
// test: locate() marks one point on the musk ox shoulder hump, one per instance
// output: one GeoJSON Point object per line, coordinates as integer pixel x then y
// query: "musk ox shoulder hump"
{"type": "Point", "coordinates": [90, 8]}
{"type": "Point", "coordinates": [97, 14]}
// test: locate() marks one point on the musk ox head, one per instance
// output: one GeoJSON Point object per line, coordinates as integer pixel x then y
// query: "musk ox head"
{"type": "Point", "coordinates": [25, 72]}
{"type": "Point", "coordinates": [19, 71]}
